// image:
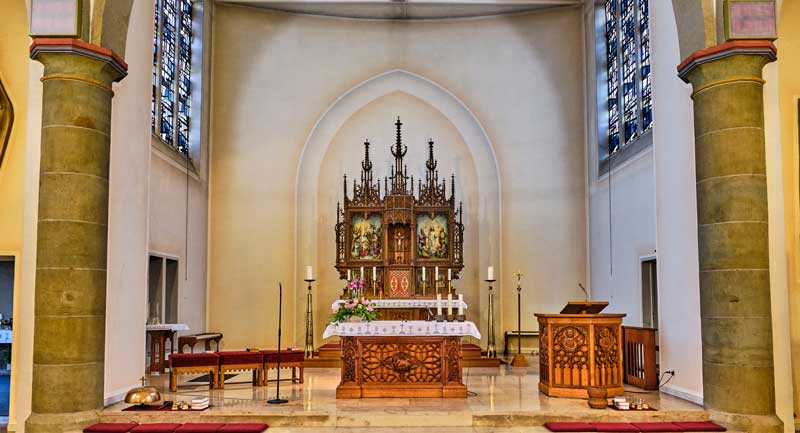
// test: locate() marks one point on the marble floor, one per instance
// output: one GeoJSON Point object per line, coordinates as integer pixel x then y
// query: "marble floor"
{"type": "Point", "coordinates": [501, 399]}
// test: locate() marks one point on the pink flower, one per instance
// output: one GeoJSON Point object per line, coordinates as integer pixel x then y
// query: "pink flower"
{"type": "Point", "coordinates": [370, 309]}
{"type": "Point", "coordinates": [336, 308]}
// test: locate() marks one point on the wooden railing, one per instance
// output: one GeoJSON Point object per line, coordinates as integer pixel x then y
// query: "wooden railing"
{"type": "Point", "coordinates": [639, 355]}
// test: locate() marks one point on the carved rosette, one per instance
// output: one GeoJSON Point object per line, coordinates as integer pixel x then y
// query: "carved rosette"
{"type": "Point", "coordinates": [349, 351]}
{"type": "Point", "coordinates": [571, 346]}
{"type": "Point", "coordinates": [401, 363]}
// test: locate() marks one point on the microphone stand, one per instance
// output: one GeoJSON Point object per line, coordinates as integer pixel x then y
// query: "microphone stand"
{"type": "Point", "coordinates": [278, 399]}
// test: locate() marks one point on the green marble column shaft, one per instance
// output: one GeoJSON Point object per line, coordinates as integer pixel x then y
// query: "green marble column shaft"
{"type": "Point", "coordinates": [70, 299]}
{"type": "Point", "coordinates": [738, 379]}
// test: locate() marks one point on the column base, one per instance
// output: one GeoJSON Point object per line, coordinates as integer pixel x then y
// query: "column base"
{"type": "Point", "coordinates": [73, 422]}
{"type": "Point", "coordinates": [748, 423]}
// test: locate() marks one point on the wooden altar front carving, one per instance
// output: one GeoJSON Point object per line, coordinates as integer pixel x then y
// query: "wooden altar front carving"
{"type": "Point", "coordinates": [402, 230]}
{"type": "Point", "coordinates": [400, 366]}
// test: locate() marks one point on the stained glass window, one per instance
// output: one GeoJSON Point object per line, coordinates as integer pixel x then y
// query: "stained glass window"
{"type": "Point", "coordinates": [629, 84]}
{"type": "Point", "coordinates": [172, 59]}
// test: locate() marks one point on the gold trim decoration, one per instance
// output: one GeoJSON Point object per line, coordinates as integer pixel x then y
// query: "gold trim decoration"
{"type": "Point", "coordinates": [6, 121]}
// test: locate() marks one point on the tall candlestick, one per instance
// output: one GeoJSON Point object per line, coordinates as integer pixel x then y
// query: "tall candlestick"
{"type": "Point", "coordinates": [460, 304]}
{"type": "Point", "coordinates": [449, 304]}
{"type": "Point", "coordinates": [438, 304]}
{"type": "Point", "coordinates": [309, 273]}
{"type": "Point", "coordinates": [491, 273]}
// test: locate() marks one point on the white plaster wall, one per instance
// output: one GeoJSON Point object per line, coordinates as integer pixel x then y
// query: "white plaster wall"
{"type": "Point", "coordinates": [278, 74]}
{"type": "Point", "coordinates": [127, 215]}
{"type": "Point", "coordinates": [653, 213]}
{"type": "Point", "coordinates": [678, 268]}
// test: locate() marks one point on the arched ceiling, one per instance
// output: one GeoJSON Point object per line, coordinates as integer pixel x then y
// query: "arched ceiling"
{"type": "Point", "coordinates": [406, 9]}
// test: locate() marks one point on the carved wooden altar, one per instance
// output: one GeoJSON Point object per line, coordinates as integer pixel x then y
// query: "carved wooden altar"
{"type": "Point", "coordinates": [400, 231]}
{"type": "Point", "coordinates": [578, 351]}
{"type": "Point", "coordinates": [401, 366]}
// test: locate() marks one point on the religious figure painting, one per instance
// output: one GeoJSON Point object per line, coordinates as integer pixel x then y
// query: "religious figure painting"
{"type": "Point", "coordinates": [366, 236]}
{"type": "Point", "coordinates": [432, 236]}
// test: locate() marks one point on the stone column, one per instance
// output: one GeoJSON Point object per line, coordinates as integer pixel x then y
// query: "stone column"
{"type": "Point", "coordinates": [69, 332]}
{"type": "Point", "coordinates": [738, 376]}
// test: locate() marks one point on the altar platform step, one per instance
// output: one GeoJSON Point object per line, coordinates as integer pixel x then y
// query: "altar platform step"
{"type": "Point", "coordinates": [329, 356]}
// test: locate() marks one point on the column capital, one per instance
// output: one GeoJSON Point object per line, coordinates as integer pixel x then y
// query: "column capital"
{"type": "Point", "coordinates": [739, 47]}
{"type": "Point", "coordinates": [82, 48]}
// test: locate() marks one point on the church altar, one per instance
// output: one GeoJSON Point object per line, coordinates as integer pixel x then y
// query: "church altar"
{"type": "Point", "coordinates": [401, 359]}
{"type": "Point", "coordinates": [408, 309]}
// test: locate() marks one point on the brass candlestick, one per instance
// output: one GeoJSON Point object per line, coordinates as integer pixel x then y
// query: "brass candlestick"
{"type": "Point", "coordinates": [309, 323]}
{"type": "Point", "coordinates": [491, 350]}
{"type": "Point", "coordinates": [519, 359]}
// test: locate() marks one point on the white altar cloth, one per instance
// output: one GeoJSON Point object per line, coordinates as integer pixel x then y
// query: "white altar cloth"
{"type": "Point", "coordinates": [409, 303]}
{"type": "Point", "coordinates": [420, 328]}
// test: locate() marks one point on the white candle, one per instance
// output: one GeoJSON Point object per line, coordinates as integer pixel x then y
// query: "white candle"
{"type": "Point", "coordinates": [449, 304]}
{"type": "Point", "coordinates": [460, 304]}
{"type": "Point", "coordinates": [491, 273]}
{"type": "Point", "coordinates": [308, 273]}
{"type": "Point", "coordinates": [348, 275]}
{"type": "Point", "coordinates": [362, 272]}
{"type": "Point", "coordinates": [374, 273]}
{"type": "Point", "coordinates": [423, 272]}
{"type": "Point", "coordinates": [449, 274]}
{"type": "Point", "coordinates": [436, 274]}
{"type": "Point", "coordinates": [439, 304]}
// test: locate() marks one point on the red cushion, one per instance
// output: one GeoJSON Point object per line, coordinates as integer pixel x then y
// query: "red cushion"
{"type": "Point", "coordinates": [615, 427]}
{"type": "Point", "coordinates": [204, 427]}
{"type": "Point", "coordinates": [110, 427]}
{"type": "Point", "coordinates": [700, 426]}
{"type": "Point", "coordinates": [286, 355]}
{"type": "Point", "coordinates": [243, 428]}
{"type": "Point", "coordinates": [243, 357]}
{"type": "Point", "coordinates": [164, 427]}
{"type": "Point", "coordinates": [193, 360]}
{"type": "Point", "coordinates": [569, 426]}
{"type": "Point", "coordinates": [656, 426]}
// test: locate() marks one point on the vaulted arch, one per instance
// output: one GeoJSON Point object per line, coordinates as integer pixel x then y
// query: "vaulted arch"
{"type": "Point", "coordinates": [342, 109]}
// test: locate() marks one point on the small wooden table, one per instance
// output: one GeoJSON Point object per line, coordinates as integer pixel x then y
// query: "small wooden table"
{"type": "Point", "coordinates": [159, 334]}
{"type": "Point", "coordinates": [206, 338]}
{"type": "Point", "coordinates": [401, 359]}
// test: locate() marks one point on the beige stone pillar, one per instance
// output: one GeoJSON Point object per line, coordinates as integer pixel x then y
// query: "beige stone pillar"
{"type": "Point", "coordinates": [69, 332]}
{"type": "Point", "coordinates": [738, 376]}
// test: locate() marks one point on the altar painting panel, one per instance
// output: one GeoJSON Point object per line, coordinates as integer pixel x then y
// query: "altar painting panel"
{"type": "Point", "coordinates": [432, 236]}
{"type": "Point", "coordinates": [366, 236]}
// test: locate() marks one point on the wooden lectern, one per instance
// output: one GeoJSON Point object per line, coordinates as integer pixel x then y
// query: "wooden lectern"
{"type": "Point", "coordinates": [580, 348]}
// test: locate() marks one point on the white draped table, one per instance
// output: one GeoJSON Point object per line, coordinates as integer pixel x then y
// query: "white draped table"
{"type": "Point", "coordinates": [408, 303]}
{"type": "Point", "coordinates": [394, 328]}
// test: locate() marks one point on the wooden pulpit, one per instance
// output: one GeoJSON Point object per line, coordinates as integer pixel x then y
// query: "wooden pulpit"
{"type": "Point", "coordinates": [580, 348]}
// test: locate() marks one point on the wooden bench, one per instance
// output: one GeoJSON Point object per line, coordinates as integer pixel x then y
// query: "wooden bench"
{"type": "Point", "coordinates": [289, 359]}
{"type": "Point", "coordinates": [241, 361]}
{"type": "Point", "coordinates": [206, 338]}
{"type": "Point", "coordinates": [518, 335]}
{"type": "Point", "coordinates": [193, 363]}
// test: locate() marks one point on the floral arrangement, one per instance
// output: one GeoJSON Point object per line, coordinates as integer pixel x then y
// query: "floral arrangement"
{"type": "Point", "coordinates": [357, 306]}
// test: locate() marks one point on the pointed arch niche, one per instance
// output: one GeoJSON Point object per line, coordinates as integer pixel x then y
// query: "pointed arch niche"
{"type": "Point", "coordinates": [335, 147]}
